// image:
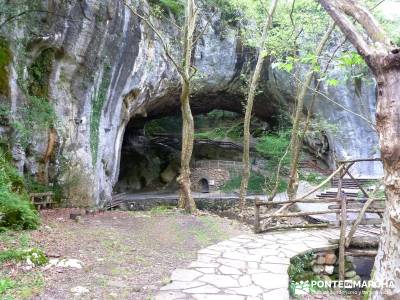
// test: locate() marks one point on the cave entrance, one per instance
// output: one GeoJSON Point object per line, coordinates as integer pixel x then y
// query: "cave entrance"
{"type": "Point", "coordinates": [150, 154]}
{"type": "Point", "coordinates": [204, 186]}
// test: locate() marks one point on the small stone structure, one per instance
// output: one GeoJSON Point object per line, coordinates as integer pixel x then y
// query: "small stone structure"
{"type": "Point", "coordinates": [205, 180]}
{"type": "Point", "coordinates": [210, 175]}
{"type": "Point", "coordinates": [325, 265]}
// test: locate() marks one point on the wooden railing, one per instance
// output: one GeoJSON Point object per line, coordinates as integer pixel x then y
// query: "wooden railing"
{"type": "Point", "coordinates": [341, 207]}
{"type": "Point", "coordinates": [42, 200]}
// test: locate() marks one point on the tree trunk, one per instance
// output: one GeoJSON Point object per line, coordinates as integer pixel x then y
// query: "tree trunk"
{"type": "Point", "coordinates": [383, 58]}
{"type": "Point", "coordinates": [296, 142]}
{"type": "Point", "coordinates": [387, 261]}
{"type": "Point", "coordinates": [186, 200]}
{"type": "Point", "coordinates": [249, 108]}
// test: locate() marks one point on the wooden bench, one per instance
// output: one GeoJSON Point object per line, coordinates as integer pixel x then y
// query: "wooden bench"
{"type": "Point", "coordinates": [42, 200]}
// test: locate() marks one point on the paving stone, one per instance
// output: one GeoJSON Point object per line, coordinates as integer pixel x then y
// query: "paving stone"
{"type": "Point", "coordinates": [281, 294]}
{"type": "Point", "coordinates": [247, 267]}
{"type": "Point", "coordinates": [252, 265]}
{"type": "Point", "coordinates": [198, 264]}
{"type": "Point", "coordinates": [245, 280]}
{"type": "Point", "coordinates": [206, 270]}
{"type": "Point", "coordinates": [275, 260]}
{"type": "Point", "coordinates": [274, 268]}
{"type": "Point", "coordinates": [243, 257]}
{"type": "Point", "coordinates": [170, 296]}
{"type": "Point", "coordinates": [220, 281]}
{"type": "Point", "coordinates": [181, 285]}
{"type": "Point", "coordinates": [218, 297]}
{"type": "Point", "coordinates": [238, 264]}
{"type": "Point", "coordinates": [270, 281]}
{"type": "Point", "coordinates": [205, 289]}
{"type": "Point", "coordinates": [251, 290]}
{"type": "Point", "coordinates": [185, 275]}
{"type": "Point", "coordinates": [229, 270]}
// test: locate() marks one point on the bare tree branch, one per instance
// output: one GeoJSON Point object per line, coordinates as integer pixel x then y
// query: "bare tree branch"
{"type": "Point", "coordinates": [366, 20]}
{"type": "Point", "coordinates": [349, 30]}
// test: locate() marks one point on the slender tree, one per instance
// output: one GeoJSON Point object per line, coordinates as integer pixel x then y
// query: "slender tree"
{"type": "Point", "coordinates": [383, 58]}
{"type": "Point", "coordinates": [249, 105]}
{"type": "Point", "coordinates": [296, 141]}
{"type": "Point", "coordinates": [186, 72]}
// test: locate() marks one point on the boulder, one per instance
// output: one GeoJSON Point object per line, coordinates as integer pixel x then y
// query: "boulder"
{"type": "Point", "coordinates": [350, 274]}
{"type": "Point", "coordinates": [329, 269]}
{"type": "Point", "coordinates": [330, 259]}
{"type": "Point", "coordinates": [320, 260]}
{"type": "Point", "coordinates": [317, 269]}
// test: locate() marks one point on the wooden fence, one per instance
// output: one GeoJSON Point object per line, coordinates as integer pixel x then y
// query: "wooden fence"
{"type": "Point", "coordinates": [342, 205]}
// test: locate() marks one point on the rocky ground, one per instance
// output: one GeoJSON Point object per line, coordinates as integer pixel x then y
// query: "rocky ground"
{"type": "Point", "coordinates": [113, 255]}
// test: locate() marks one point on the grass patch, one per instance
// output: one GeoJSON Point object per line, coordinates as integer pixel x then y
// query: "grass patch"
{"type": "Point", "coordinates": [26, 286]}
{"type": "Point", "coordinates": [163, 208]}
{"type": "Point", "coordinates": [257, 184]}
{"type": "Point", "coordinates": [6, 284]}
{"type": "Point", "coordinates": [272, 146]}
{"type": "Point", "coordinates": [313, 178]}
{"type": "Point", "coordinates": [208, 232]}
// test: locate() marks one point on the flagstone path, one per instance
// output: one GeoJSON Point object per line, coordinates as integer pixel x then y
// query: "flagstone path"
{"type": "Point", "coordinates": [246, 267]}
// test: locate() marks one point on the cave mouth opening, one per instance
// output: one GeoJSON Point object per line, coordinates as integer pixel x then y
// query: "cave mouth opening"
{"type": "Point", "coordinates": [204, 186]}
{"type": "Point", "coordinates": [150, 152]}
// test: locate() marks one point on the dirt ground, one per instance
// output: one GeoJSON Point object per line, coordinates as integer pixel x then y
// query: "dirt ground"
{"type": "Point", "coordinates": [125, 255]}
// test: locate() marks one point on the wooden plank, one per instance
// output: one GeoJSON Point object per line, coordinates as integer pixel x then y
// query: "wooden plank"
{"type": "Point", "coordinates": [299, 214]}
{"type": "Point", "coordinates": [358, 184]}
{"type": "Point", "coordinates": [357, 221]}
{"type": "Point", "coordinates": [343, 223]}
{"type": "Point", "coordinates": [280, 227]}
{"type": "Point", "coordinates": [361, 252]}
{"type": "Point", "coordinates": [41, 194]}
{"type": "Point", "coordinates": [256, 218]}
{"type": "Point", "coordinates": [359, 160]}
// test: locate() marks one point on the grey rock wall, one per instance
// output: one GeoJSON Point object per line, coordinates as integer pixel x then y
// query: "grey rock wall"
{"type": "Point", "coordinates": [109, 68]}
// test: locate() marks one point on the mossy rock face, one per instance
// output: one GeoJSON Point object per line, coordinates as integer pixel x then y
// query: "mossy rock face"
{"type": "Point", "coordinates": [5, 60]}
{"type": "Point", "coordinates": [39, 73]}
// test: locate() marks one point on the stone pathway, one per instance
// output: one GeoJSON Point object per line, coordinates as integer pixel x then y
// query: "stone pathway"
{"type": "Point", "coordinates": [246, 267]}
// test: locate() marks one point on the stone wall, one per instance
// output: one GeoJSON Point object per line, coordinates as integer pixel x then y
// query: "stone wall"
{"type": "Point", "coordinates": [208, 179]}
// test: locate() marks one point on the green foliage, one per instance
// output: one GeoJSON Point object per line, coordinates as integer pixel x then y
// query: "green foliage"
{"type": "Point", "coordinates": [299, 265]}
{"type": "Point", "coordinates": [98, 101]}
{"type": "Point", "coordinates": [165, 125]}
{"type": "Point", "coordinates": [313, 178]}
{"type": "Point", "coordinates": [176, 7]}
{"type": "Point", "coordinates": [258, 184]}
{"type": "Point", "coordinates": [272, 146]}
{"type": "Point", "coordinates": [34, 255]}
{"type": "Point", "coordinates": [234, 133]}
{"type": "Point", "coordinates": [38, 114]}
{"type": "Point", "coordinates": [15, 209]}
{"type": "Point", "coordinates": [6, 284]}
{"type": "Point", "coordinates": [39, 73]}
{"type": "Point", "coordinates": [5, 60]}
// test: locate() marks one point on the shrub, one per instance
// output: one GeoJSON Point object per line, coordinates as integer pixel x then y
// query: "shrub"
{"type": "Point", "coordinates": [257, 184]}
{"type": "Point", "coordinates": [35, 256]}
{"type": "Point", "coordinates": [273, 146]}
{"type": "Point", "coordinates": [15, 209]}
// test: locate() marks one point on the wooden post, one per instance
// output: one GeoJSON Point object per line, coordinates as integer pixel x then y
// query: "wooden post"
{"type": "Point", "coordinates": [256, 216]}
{"type": "Point", "coordinates": [343, 223]}
{"type": "Point", "coordinates": [358, 221]}
{"type": "Point", "coordinates": [358, 184]}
